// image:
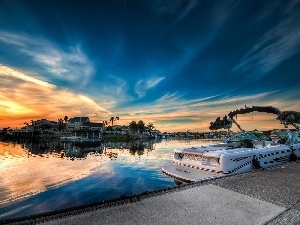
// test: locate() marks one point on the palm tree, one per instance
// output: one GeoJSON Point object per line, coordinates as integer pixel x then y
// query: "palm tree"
{"type": "Point", "coordinates": [112, 121]}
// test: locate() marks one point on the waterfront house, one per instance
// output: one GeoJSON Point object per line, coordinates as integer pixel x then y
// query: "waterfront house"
{"type": "Point", "coordinates": [43, 125]}
{"type": "Point", "coordinates": [76, 122]}
{"type": "Point", "coordinates": [124, 129]}
{"type": "Point", "coordinates": [92, 126]}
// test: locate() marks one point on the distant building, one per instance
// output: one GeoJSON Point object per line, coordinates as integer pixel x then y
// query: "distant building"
{"type": "Point", "coordinates": [124, 129]}
{"type": "Point", "coordinates": [154, 133]}
{"type": "Point", "coordinates": [44, 124]}
{"type": "Point", "coordinates": [76, 122]}
{"type": "Point", "coordinates": [92, 126]}
{"type": "Point", "coordinates": [41, 126]}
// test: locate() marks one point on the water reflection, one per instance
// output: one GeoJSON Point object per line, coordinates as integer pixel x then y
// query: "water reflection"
{"type": "Point", "coordinates": [31, 167]}
{"type": "Point", "coordinates": [80, 150]}
{"type": "Point", "coordinates": [53, 175]}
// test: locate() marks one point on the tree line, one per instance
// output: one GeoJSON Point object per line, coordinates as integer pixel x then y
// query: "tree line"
{"type": "Point", "coordinates": [140, 127]}
{"type": "Point", "coordinates": [134, 127]}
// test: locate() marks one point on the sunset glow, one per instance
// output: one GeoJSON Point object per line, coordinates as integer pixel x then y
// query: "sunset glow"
{"type": "Point", "coordinates": [176, 64]}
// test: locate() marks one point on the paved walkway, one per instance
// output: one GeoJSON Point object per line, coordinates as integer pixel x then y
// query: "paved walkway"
{"type": "Point", "coordinates": [270, 196]}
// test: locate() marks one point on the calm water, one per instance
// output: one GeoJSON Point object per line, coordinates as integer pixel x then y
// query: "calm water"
{"type": "Point", "coordinates": [41, 177]}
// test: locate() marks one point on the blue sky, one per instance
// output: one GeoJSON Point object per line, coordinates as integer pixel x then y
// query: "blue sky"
{"type": "Point", "coordinates": [175, 63]}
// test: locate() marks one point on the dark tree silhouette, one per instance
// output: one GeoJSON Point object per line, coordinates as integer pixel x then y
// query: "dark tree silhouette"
{"type": "Point", "coordinates": [141, 126]}
{"type": "Point", "coordinates": [133, 126]}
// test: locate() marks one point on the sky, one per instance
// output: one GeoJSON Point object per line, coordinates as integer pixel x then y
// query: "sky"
{"type": "Point", "coordinates": [178, 64]}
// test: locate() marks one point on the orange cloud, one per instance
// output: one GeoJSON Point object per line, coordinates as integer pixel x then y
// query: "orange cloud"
{"type": "Point", "coordinates": [23, 98]}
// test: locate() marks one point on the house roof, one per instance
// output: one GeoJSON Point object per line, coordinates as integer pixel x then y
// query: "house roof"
{"type": "Point", "coordinates": [78, 119]}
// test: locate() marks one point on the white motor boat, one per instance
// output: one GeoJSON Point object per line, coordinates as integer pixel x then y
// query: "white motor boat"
{"type": "Point", "coordinates": [239, 153]}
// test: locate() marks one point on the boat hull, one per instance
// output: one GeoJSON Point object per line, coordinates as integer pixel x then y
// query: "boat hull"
{"type": "Point", "coordinates": [199, 165]}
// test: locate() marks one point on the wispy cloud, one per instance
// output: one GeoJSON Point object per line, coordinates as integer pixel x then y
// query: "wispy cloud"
{"type": "Point", "coordinates": [235, 100]}
{"type": "Point", "coordinates": [193, 46]}
{"type": "Point", "coordinates": [6, 71]}
{"type": "Point", "coordinates": [95, 106]}
{"type": "Point", "coordinates": [142, 86]}
{"type": "Point", "coordinates": [170, 97]}
{"type": "Point", "coordinates": [277, 45]}
{"type": "Point", "coordinates": [119, 86]}
{"type": "Point", "coordinates": [179, 7]}
{"type": "Point", "coordinates": [186, 10]}
{"type": "Point", "coordinates": [71, 64]}
{"type": "Point", "coordinates": [178, 99]}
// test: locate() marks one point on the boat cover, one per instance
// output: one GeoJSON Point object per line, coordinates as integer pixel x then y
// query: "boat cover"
{"type": "Point", "coordinates": [287, 117]}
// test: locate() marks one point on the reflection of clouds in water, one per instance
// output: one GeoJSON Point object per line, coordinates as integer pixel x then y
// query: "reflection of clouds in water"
{"type": "Point", "coordinates": [43, 171]}
{"type": "Point", "coordinates": [23, 175]}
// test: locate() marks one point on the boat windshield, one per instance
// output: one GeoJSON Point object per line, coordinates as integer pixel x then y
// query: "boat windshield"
{"type": "Point", "coordinates": [252, 136]}
{"type": "Point", "coordinates": [262, 136]}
